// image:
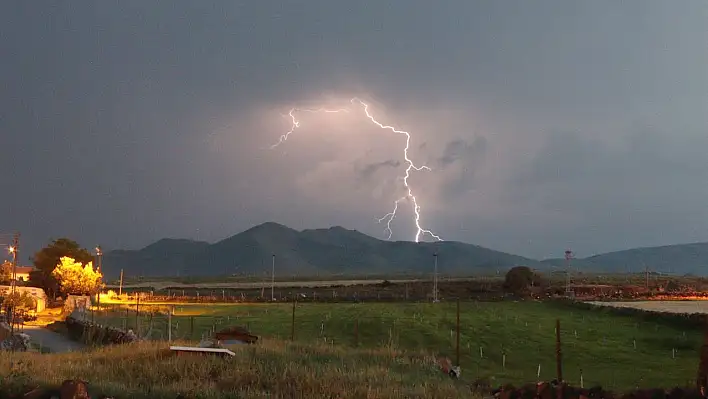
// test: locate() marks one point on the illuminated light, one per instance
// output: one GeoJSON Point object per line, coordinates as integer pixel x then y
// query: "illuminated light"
{"type": "Point", "coordinates": [388, 218]}
{"type": "Point", "coordinates": [11, 249]}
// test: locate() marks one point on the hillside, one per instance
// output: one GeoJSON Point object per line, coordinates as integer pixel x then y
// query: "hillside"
{"type": "Point", "coordinates": [677, 259]}
{"type": "Point", "coordinates": [334, 250]}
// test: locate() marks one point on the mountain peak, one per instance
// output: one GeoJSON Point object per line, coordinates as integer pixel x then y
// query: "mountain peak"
{"type": "Point", "coordinates": [269, 226]}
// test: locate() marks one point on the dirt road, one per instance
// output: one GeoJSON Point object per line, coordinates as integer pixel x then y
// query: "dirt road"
{"type": "Point", "coordinates": [50, 340]}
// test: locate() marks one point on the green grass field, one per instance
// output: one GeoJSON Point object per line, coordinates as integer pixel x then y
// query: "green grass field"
{"type": "Point", "coordinates": [514, 337]}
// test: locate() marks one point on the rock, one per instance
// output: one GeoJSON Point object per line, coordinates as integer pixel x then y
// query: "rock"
{"type": "Point", "coordinates": [19, 342]}
{"type": "Point", "coordinates": [74, 389]}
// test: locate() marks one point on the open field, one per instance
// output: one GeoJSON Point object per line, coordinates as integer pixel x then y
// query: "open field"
{"type": "Point", "coordinates": [295, 283]}
{"type": "Point", "coordinates": [618, 352]}
{"type": "Point", "coordinates": [275, 369]}
{"type": "Point", "coordinates": [691, 306]}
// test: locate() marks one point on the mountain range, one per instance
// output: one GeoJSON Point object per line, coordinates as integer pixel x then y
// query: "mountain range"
{"type": "Point", "coordinates": [337, 250]}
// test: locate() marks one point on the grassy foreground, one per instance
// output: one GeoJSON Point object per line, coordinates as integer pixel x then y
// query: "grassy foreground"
{"type": "Point", "coordinates": [506, 341]}
{"type": "Point", "coordinates": [275, 369]}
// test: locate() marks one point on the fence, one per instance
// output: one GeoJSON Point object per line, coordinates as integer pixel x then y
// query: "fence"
{"type": "Point", "coordinates": [507, 340]}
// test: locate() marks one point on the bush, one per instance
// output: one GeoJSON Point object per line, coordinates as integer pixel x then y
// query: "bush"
{"type": "Point", "coordinates": [519, 279]}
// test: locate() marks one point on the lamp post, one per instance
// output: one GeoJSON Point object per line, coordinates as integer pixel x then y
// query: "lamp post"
{"type": "Point", "coordinates": [99, 254]}
{"type": "Point", "coordinates": [13, 251]}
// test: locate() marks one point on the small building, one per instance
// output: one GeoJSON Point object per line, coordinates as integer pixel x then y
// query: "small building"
{"type": "Point", "coordinates": [23, 272]}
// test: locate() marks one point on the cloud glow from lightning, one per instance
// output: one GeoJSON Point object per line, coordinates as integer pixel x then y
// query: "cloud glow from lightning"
{"type": "Point", "coordinates": [388, 218]}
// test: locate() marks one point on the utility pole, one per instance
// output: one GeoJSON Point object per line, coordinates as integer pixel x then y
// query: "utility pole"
{"type": "Point", "coordinates": [646, 273]}
{"type": "Point", "coordinates": [568, 257]}
{"type": "Point", "coordinates": [435, 279]}
{"type": "Point", "coordinates": [120, 286]}
{"type": "Point", "coordinates": [99, 254]}
{"type": "Point", "coordinates": [14, 249]}
{"type": "Point", "coordinates": [272, 281]}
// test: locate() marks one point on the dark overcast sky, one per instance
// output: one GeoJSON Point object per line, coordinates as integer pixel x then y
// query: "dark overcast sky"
{"type": "Point", "coordinates": [547, 124]}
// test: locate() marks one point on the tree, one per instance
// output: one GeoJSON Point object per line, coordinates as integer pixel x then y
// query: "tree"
{"type": "Point", "coordinates": [6, 272]}
{"type": "Point", "coordinates": [518, 280]}
{"type": "Point", "coordinates": [46, 259]}
{"type": "Point", "coordinates": [76, 278]}
{"type": "Point", "coordinates": [673, 286]}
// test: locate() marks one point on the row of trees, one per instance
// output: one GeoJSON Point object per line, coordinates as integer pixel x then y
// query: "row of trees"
{"type": "Point", "coordinates": [61, 268]}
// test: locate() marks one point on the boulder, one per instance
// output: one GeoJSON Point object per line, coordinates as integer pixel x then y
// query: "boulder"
{"type": "Point", "coordinates": [19, 342]}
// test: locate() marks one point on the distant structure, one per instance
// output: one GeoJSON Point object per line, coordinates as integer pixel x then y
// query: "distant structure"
{"type": "Point", "coordinates": [568, 288]}
{"type": "Point", "coordinates": [22, 273]}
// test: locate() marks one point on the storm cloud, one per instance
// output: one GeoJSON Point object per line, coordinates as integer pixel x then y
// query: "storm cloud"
{"type": "Point", "coordinates": [548, 125]}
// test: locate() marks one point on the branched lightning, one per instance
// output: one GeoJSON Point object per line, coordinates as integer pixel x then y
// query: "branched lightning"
{"type": "Point", "coordinates": [388, 218]}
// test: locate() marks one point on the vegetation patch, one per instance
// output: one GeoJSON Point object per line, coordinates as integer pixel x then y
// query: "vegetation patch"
{"type": "Point", "coordinates": [277, 369]}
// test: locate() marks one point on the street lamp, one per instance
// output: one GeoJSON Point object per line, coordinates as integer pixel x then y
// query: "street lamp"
{"type": "Point", "coordinates": [99, 254]}
{"type": "Point", "coordinates": [12, 250]}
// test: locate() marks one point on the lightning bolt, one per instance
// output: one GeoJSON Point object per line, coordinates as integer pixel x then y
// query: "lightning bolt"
{"type": "Point", "coordinates": [388, 218]}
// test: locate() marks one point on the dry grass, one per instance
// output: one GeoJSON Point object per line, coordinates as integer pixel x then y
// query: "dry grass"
{"type": "Point", "coordinates": [276, 369]}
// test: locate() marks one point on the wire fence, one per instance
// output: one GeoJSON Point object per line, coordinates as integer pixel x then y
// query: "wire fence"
{"type": "Point", "coordinates": [514, 342]}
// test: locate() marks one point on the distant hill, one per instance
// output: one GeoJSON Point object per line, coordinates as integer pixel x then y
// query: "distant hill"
{"type": "Point", "coordinates": [676, 259]}
{"type": "Point", "coordinates": [335, 250]}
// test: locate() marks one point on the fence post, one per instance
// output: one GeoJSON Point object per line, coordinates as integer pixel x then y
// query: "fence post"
{"type": "Point", "coordinates": [559, 364]}
{"type": "Point", "coordinates": [292, 324]}
{"type": "Point", "coordinates": [137, 313]}
{"type": "Point", "coordinates": [169, 323]}
{"type": "Point", "coordinates": [191, 327]}
{"type": "Point", "coordinates": [457, 343]}
{"type": "Point", "coordinates": [125, 321]}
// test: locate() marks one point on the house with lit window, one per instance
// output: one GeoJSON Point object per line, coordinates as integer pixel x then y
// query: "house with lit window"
{"type": "Point", "coordinates": [23, 272]}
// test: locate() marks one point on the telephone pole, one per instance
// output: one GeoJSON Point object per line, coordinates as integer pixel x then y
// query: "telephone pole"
{"type": "Point", "coordinates": [14, 249]}
{"type": "Point", "coordinates": [568, 257]}
{"type": "Point", "coordinates": [272, 281]}
{"type": "Point", "coordinates": [435, 279]}
{"type": "Point", "coordinates": [120, 287]}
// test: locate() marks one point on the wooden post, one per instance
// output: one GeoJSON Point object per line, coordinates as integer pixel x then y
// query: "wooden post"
{"type": "Point", "coordinates": [457, 343]}
{"type": "Point", "coordinates": [137, 313]}
{"type": "Point", "coordinates": [559, 364]}
{"type": "Point", "coordinates": [292, 323]}
{"type": "Point", "coordinates": [169, 324]}
{"type": "Point", "coordinates": [191, 327]}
